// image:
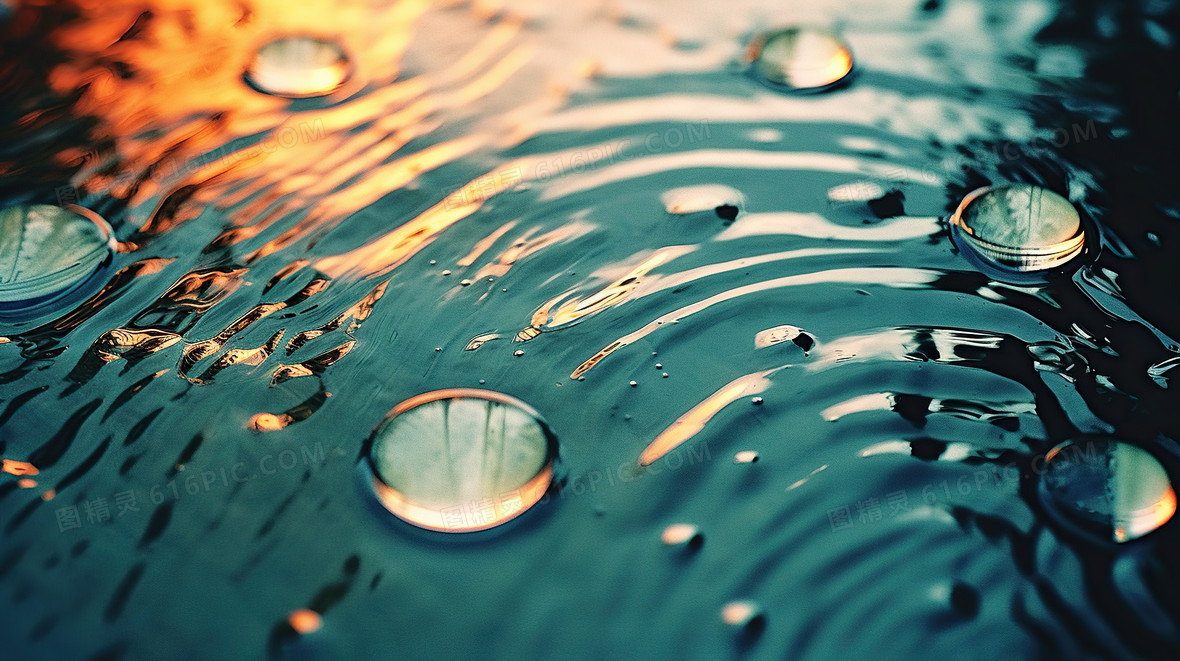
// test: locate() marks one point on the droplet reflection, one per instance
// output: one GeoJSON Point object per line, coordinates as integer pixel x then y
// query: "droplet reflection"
{"type": "Point", "coordinates": [1114, 490]}
{"type": "Point", "coordinates": [461, 460]}
{"type": "Point", "coordinates": [298, 67]}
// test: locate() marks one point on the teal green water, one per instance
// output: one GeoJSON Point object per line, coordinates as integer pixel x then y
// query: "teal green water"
{"type": "Point", "coordinates": [597, 209]}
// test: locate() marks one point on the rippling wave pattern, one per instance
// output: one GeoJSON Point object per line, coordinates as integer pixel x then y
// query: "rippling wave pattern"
{"type": "Point", "coordinates": [594, 207]}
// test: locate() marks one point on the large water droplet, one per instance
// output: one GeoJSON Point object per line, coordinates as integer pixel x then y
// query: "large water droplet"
{"type": "Point", "coordinates": [45, 251]}
{"type": "Point", "coordinates": [1019, 227]}
{"type": "Point", "coordinates": [298, 67]}
{"type": "Point", "coordinates": [462, 459]}
{"type": "Point", "coordinates": [1110, 489]}
{"type": "Point", "coordinates": [801, 58]}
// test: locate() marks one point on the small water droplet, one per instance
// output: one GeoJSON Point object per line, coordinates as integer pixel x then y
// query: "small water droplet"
{"type": "Point", "coordinates": [725, 201]}
{"type": "Point", "coordinates": [464, 282]}
{"type": "Point", "coordinates": [684, 535]}
{"type": "Point", "coordinates": [756, 401]}
{"type": "Point", "coordinates": [438, 348]}
{"type": "Point", "coordinates": [264, 422]}
{"type": "Point", "coordinates": [433, 262]}
{"type": "Point", "coordinates": [491, 445]}
{"type": "Point", "coordinates": [518, 353]}
{"type": "Point", "coordinates": [659, 366]}
{"type": "Point", "coordinates": [298, 67]}
{"type": "Point", "coordinates": [665, 375]}
{"type": "Point", "coordinates": [305, 621]}
{"type": "Point", "coordinates": [446, 272]}
{"type": "Point", "coordinates": [481, 382]}
{"type": "Point", "coordinates": [745, 457]}
{"type": "Point", "coordinates": [745, 616]}
{"type": "Point", "coordinates": [634, 383]}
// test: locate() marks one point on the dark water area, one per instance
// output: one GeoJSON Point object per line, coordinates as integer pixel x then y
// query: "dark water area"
{"type": "Point", "coordinates": [596, 208]}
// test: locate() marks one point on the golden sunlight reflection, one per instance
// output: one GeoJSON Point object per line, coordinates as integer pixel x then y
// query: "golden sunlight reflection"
{"type": "Point", "coordinates": [689, 424]}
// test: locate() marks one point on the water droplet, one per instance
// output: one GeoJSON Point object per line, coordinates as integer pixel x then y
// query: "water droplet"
{"type": "Point", "coordinates": [46, 251]}
{"type": "Point", "coordinates": [801, 58]}
{"type": "Point", "coordinates": [659, 366]}
{"type": "Point", "coordinates": [745, 616]}
{"type": "Point", "coordinates": [756, 401]}
{"type": "Point", "coordinates": [298, 67]}
{"type": "Point", "coordinates": [305, 621]}
{"type": "Point", "coordinates": [518, 353]}
{"type": "Point", "coordinates": [723, 200]}
{"type": "Point", "coordinates": [446, 272]}
{"type": "Point", "coordinates": [745, 457]}
{"type": "Point", "coordinates": [464, 282]}
{"type": "Point", "coordinates": [1113, 490]}
{"type": "Point", "coordinates": [438, 348]}
{"type": "Point", "coordinates": [461, 460]}
{"type": "Point", "coordinates": [481, 382]}
{"type": "Point", "coordinates": [1019, 227]}
{"type": "Point", "coordinates": [665, 375]}
{"type": "Point", "coordinates": [684, 535]}
{"type": "Point", "coordinates": [433, 262]}
{"type": "Point", "coordinates": [634, 383]}
{"type": "Point", "coordinates": [264, 422]}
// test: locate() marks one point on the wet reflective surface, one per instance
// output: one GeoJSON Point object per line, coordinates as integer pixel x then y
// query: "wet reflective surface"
{"type": "Point", "coordinates": [555, 202]}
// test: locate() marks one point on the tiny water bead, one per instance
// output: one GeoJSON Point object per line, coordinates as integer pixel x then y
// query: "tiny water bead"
{"type": "Point", "coordinates": [683, 535]}
{"type": "Point", "coordinates": [461, 459]}
{"type": "Point", "coordinates": [744, 616]}
{"type": "Point", "coordinates": [745, 457]}
{"type": "Point", "coordinates": [298, 67]}
{"type": "Point", "coordinates": [1112, 490]}
{"type": "Point", "coordinates": [801, 58]}
{"type": "Point", "coordinates": [725, 201]}
{"type": "Point", "coordinates": [1019, 227]}
{"type": "Point", "coordinates": [46, 251]}
{"type": "Point", "coordinates": [756, 401]}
